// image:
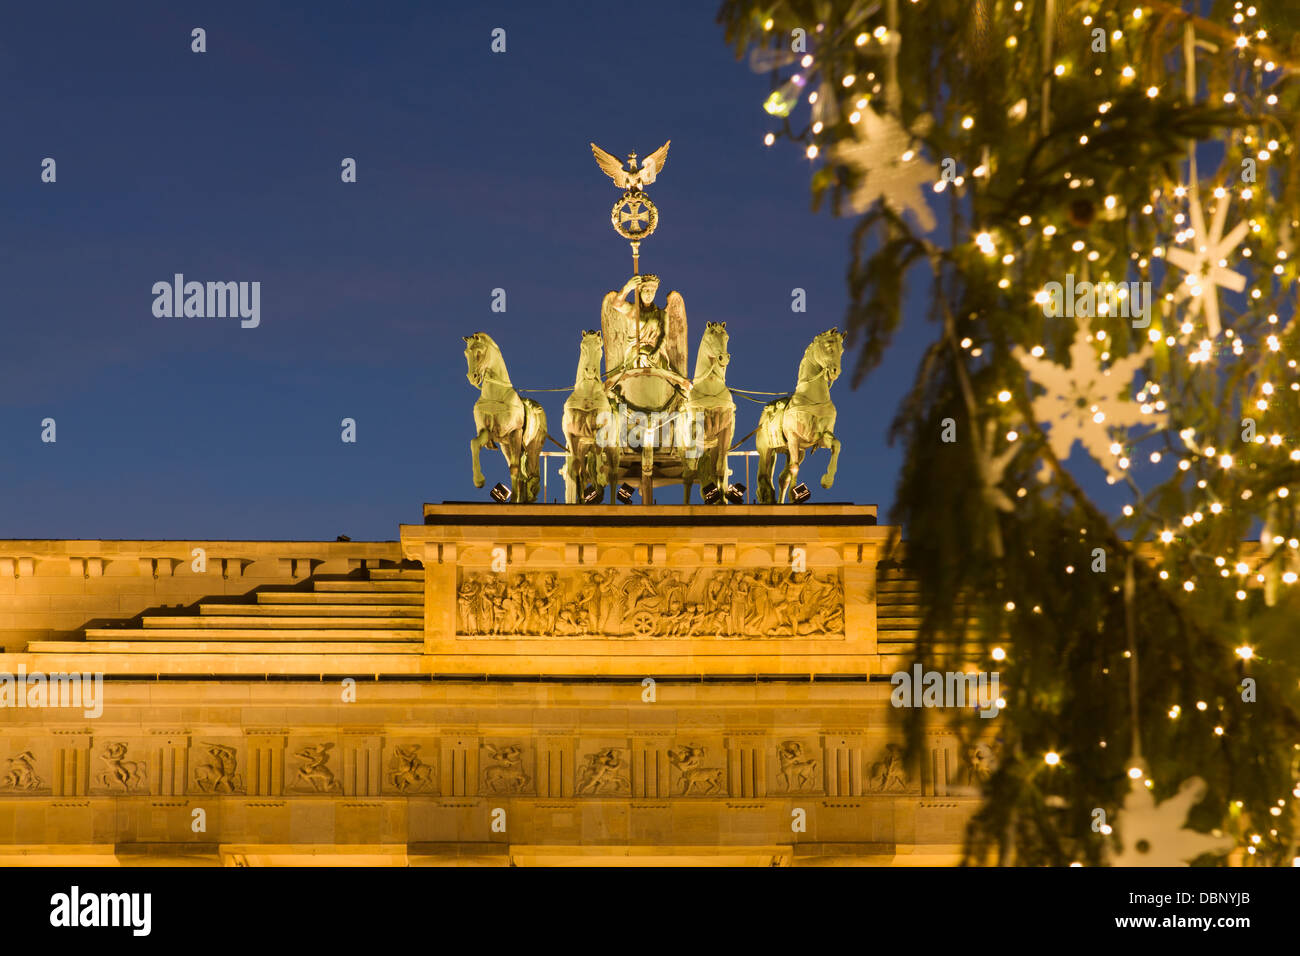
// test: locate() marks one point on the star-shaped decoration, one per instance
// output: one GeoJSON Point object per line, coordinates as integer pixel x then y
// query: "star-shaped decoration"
{"type": "Point", "coordinates": [1154, 835]}
{"type": "Point", "coordinates": [876, 155]}
{"type": "Point", "coordinates": [1206, 263]}
{"type": "Point", "coordinates": [1083, 402]}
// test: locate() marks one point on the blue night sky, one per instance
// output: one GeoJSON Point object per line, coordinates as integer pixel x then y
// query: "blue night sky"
{"type": "Point", "coordinates": [473, 173]}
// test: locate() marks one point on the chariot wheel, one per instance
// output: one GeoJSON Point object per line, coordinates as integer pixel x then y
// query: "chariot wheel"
{"type": "Point", "coordinates": [643, 624]}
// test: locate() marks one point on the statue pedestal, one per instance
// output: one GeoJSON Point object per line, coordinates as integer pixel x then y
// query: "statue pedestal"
{"type": "Point", "coordinates": [660, 590]}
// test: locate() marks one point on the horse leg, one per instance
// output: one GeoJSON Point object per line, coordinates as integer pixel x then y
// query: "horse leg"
{"type": "Point", "coordinates": [725, 435]}
{"type": "Point", "coordinates": [475, 445]}
{"type": "Point", "coordinates": [534, 473]}
{"type": "Point", "coordinates": [570, 472]}
{"type": "Point", "coordinates": [790, 476]}
{"type": "Point", "coordinates": [766, 462]}
{"type": "Point", "coordinates": [690, 473]}
{"type": "Point", "coordinates": [512, 450]}
{"type": "Point", "coordinates": [833, 443]}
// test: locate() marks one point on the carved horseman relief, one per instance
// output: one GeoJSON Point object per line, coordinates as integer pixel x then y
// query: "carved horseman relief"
{"type": "Point", "coordinates": [122, 775]}
{"type": "Point", "coordinates": [799, 768]}
{"type": "Point", "coordinates": [979, 761]}
{"type": "Point", "coordinates": [407, 771]}
{"type": "Point", "coordinates": [889, 773]}
{"type": "Point", "coordinates": [314, 776]}
{"type": "Point", "coordinates": [604, 772]}
{"type": "Point", "coordinates": [693, 777]}
{"type": "Point", "coordinates": [506, 772]}
{"type": "Point", "coordinates": [20, 774]}
{"type": "Point", "coordinates": [651, 603]}
{"type": "Point", "coordinates": [216, 774]}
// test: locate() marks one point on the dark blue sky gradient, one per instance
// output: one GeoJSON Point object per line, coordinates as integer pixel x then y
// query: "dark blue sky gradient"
{"type": "Point", "coordinates": [474, 173]}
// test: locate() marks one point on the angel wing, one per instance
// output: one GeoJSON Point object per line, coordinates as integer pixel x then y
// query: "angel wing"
{"type": "Point", "coordinates": [675, 332]}
{"type": "Point", "coordinates": [653, 164]}
{"type": "Point", "coordinates": [613, 328]}
{"type": "Point", "coordinates": [611, 167]}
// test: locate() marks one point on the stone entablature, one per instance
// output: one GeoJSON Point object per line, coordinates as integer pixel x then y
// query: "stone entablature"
{"type": "Point", "coordinates": [659, 590]}
{"type": "Point", "coordinates": [409, 765]}
{"type": "Point", "coordinates": [617, 682]}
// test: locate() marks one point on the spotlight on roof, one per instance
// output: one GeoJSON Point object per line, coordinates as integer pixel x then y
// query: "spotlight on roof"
{"type": "Point", "coordinates": [593, 495]}
{"type": "Point", "coordinates": [736, 494]}
{"type": "Point", "coordinates": [711, 493]}
{"type": "Point", "coordinates": [500, 492]}
{"type": "Point", "coordinates": [625, 493]}
{"type": "Point", "coordinates": [800, 494]}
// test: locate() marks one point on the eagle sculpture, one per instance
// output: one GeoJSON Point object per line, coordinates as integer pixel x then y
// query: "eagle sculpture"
{"type": "Point", "coordinates": [631, 178]}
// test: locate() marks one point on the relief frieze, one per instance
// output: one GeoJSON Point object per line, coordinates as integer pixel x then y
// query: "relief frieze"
{"type": "Point", "coordinates": [650, 603]}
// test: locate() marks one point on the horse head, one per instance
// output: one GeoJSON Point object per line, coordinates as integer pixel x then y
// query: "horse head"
{"type": "Point", "coordinates": [590, 349]}
{"type": "Point", "coordinates": [713, 349]}
{"type": "Point", "coordinates": [479, 350]}
{"type": "Point", "coordinates": [825, 352]}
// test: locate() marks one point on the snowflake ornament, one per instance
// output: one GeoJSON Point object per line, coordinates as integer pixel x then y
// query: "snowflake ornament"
{"type": "Point", "coordinates": [876, 154]}
{"type": "Point", "coordinates": [1083, 402]}
{"type": "Point", "coordinates": [1154, 835]}
{"type": "Point", "coordinates": [1206, 264]}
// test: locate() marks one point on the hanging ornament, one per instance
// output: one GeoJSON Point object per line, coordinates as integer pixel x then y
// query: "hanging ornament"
{"type": "Point", "coordinates": [991, 468]}
{"type": "Point", "coordinates": [1155, 835]}
{"type": "Point", "coordinates": [827, 109]}
{"type": "Point", "coordinates": [1083, 402]}
{"type": "Point", "coordinates": [1282, 557]}
{"type": "Point", "coordinates": [1206, 263]}
{"type": "Point", "coordinates": [781, 101]}
{"type": "Point", "coordinates": [876, 155]}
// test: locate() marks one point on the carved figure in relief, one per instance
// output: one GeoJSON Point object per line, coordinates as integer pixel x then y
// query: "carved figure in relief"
{"type": "Point", "coordinates": [494, 594]}
{"type": "Point", "coordinates": [218, 775]}
{"type": "Point", "coordinates": [313, 774]}
{"type": "Point", "coordinates": [547, 602]}
{"type": "Point", "coordinates": [408, 772]}
{"type": "Point", "coordinates": [127, 774]}
{"type": "Point", "coordinates": [507, 774]}
{"type": "Point", "coordinates": [652, 603]}
{"type": "Point", "coordinates": [695, 778]}
{"type": "Point", "coordinates": [581, 615]}
{"type": "Point", "coordinates": [798, 767]}
{"type": "Point", "coordinates": [602, 773]}
{"type": "Point", "coordinates": [527, 601]}
{"type": "Point", "coordinates": [468, 604]}
{"type": "Point", "coordinates": [21, 775]}
{"type": "Point", "coordinates": [889, 772]}
{"type": "Point", "coordinates": [979, 761]}
{"type": "Point", "coordinates": [511, 605]}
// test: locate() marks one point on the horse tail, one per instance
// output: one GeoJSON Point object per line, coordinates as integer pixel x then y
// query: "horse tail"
{"type": "Point", "coordinates": [769, 423]}
{"type": "Point", "coordinates": [534, 431]}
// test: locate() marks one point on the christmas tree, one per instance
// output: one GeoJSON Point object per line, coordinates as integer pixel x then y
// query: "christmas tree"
{"type": "Point", "coordinates": [1099, 203]}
